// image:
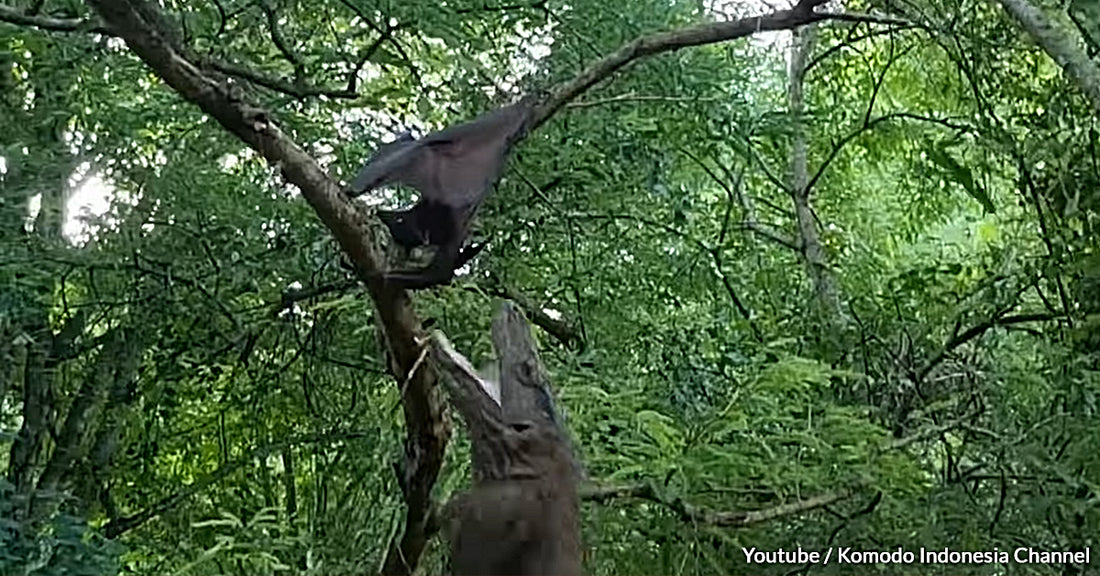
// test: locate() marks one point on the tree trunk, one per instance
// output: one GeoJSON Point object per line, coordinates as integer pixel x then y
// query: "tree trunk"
{"type": "Point", "coordinates": [826, 299]}
{"type": "Point", "coordinates": [1061, 42]}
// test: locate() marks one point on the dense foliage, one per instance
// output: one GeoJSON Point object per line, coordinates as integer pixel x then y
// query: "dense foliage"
{"type": "Point", "coordinates": [856, 307]}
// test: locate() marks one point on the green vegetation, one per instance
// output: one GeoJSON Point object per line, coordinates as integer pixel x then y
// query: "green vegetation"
{"type": "Point", "coordinates": [856, 305]}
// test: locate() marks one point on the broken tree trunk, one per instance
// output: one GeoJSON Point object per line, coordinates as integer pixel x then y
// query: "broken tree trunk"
{"type": "Point", "coordinates": [521, 516]}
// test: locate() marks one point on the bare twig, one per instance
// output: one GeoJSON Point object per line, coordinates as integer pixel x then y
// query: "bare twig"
{"type": "Point", "coordinates": [296, 89]}
{"type": "Point", "coordinates": [279, 38]}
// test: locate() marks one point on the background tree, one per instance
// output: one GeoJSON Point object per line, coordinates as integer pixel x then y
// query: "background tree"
{"type": "Point", "coordinates": [839, 292]}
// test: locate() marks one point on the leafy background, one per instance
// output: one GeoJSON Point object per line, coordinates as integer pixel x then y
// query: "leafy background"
{"type": "Point", "coordinates": [192, 383]}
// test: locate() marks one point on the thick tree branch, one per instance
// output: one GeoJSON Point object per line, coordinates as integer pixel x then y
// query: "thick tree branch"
{"type": "Point", "coordinates": [138, 23]}
{"type": "Point", "coordinates": [141, 25]}
{"type": "Point", "coordinates": [709, 33]}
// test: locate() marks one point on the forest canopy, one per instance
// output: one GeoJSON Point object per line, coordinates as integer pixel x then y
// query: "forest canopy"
{"type": "Point", "coordinates": [812, 278]}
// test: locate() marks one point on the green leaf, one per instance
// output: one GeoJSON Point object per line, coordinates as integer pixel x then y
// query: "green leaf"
{"type": "Point", "coordinates": [962, 175]}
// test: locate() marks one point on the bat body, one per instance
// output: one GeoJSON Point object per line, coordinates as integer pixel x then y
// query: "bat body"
{"type": "Point", "coordinates": [452, 169]}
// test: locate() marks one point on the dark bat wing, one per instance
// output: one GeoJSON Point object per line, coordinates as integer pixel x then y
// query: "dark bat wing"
{"type": "Point", "coordinates": [454, 166]}
{"type": "Point", "coordinates": [468, 158]}
{"type": "Point", "coordinates": [452, 169]}
{"type": "Point", "coordinates": [400, 161]}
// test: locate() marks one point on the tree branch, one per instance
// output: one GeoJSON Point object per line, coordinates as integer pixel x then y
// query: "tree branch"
{"type": "Point", "coordinates": [697, 515]}
{"type": "Point", "coordinates": [118, 526]}
{"type": "Point", "coordinates": [560, 330]}
{"type": "Point", "coordinates": [1061, 43]}
{"type": "Point", "coordinates": [709, 33]}
{"type": "Point", "coordinates": [277, 36]}
{"type": "Point", "coordinates": [977, 330]}
{"type": "Point", "coordinates": [141, 25]}
{"type": "Point", "coordinates": [296, 89]}
{"type": "Point", "coordinates": [868, 125]}
{"type": "Point", "coordinates": [13, 16]}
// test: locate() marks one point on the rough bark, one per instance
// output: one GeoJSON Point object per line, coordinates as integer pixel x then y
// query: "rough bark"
{"type": "Point", "coordinates": [145, 30]}
{"type": "Point", "coordinates": [80, 420]}
{"type": "Point", "coordinates": [826, 299]}
{"type": "Point", "coordinates": [27, 446]}
{"type": "Point", "coordinates": [1061, 42]}
{"type": "Point", "coordinates": [44, 351]}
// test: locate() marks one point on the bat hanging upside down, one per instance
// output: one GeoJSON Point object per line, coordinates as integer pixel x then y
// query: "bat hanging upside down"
{"type": "Point", "coordinates": [453, 170]}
